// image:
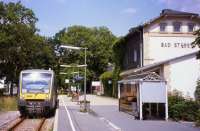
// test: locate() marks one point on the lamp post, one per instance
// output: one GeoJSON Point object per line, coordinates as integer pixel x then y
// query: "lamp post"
{"type": "Point", "coordinates": [85, 84]}
{"type": "Point", "coordinates": [85, 65]}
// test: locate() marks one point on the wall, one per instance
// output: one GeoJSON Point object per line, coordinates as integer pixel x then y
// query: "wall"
{"type": "Point", "coordinates": [159, 46]}
{"type": "Point", "coordinates": [163, 48]}
{"type": "Point", "coordinates": [182, 75]}
{"type": "Point", "coordinates": [154, 27]}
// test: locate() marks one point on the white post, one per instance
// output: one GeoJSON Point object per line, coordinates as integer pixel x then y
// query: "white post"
{"type": "Point", "coordinates": [140, 95]}
{"type": "Point", "coordinates": [119, 91]}
{"type": "Point", "coordinates": [9, 86]}
{"type": "Point", "coordinates": [166, 103]}
{"type": "Point", "coordinates": [85, 84]}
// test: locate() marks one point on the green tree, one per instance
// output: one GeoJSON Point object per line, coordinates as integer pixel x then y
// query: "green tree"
{"type": "Point", "coordinates": [99, 42]}
{"type": "Point", "coordinates": [118, 55]}
{"type": "Point", "coordinates": [194, 44]}
{"type": "Point", "coordinates": [197, 41]}
{"type": "Point", "coordinates": [20, 46]}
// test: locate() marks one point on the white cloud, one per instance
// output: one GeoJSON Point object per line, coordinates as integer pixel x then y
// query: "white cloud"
{"type": "Point", "coordinates": [129, 11]}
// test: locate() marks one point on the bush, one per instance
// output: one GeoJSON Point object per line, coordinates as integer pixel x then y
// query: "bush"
{"type": "Point", "coordinates": [182, 109]}
{"type": "Point", "coordinates": [186, 110]}
{"type": "Point", "coordinates": [198, 118]}
{"type": "Point", "coordinates": [197, 92]}
{"type": "Point", "coordinates": [176, 110]}
{"type": "Point", "coordinates": [105, 77]}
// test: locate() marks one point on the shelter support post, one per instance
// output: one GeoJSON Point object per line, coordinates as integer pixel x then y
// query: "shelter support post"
{"type": "Point", "coordinates": [166, 104]}
{"type": "Point", "coordinates": [119, 90]}
{"type": "Point", "coordinates": [140, 95]}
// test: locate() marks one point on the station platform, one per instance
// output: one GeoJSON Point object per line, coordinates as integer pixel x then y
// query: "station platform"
{"type": "Point", "coordinates": [68, 117]}
{"type": "Point", "coordinates": [105, 116]}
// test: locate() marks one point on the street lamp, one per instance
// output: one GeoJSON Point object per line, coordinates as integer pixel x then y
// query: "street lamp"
{"type": "Point", "coordinates": [85, 65]}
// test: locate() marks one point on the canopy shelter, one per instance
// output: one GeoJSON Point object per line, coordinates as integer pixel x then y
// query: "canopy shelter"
{"type": "Point", "coordinates": [144, 96]}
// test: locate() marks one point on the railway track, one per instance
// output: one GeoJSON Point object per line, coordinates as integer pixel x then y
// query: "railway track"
{"type": "Point", "coordinates": [24, 124]}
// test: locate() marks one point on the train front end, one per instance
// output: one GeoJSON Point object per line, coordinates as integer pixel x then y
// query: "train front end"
{"type": "Point", "coordinates": [35, 92]}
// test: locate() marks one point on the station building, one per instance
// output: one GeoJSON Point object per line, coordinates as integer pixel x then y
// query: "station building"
{"type": "Point", "coordinates": [158, 59]}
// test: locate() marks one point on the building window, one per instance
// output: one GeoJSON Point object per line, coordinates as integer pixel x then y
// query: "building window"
{"type": "Point", "coordinates": [177, 26]}
{"type": "Point", "coordinates": [163, 27]}
{"type": "Point", "coordinates": [191, 27]}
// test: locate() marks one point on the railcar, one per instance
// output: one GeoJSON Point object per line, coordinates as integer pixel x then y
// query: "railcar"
{"type": "Point", "coordinates": [37, 93]}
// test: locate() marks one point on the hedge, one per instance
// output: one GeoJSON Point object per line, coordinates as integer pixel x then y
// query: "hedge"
{"type": "Point", "coordinates": [181, 108]}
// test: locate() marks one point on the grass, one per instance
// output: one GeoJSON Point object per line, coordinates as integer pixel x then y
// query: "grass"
{"type": "Point", "coordinates": [8, 103]}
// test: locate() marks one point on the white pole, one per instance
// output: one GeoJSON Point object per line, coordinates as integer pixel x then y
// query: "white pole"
{"type": "Point", "coordinates": [138, 98]}
{"type": "Point", "coordinates": [119, 91]}
{"type": "Point", "coordinates": [140, 95]}
{"type": "Point", "coordinates": [85, 84]}
{"type": "Point", "coordinates": [166, 103]}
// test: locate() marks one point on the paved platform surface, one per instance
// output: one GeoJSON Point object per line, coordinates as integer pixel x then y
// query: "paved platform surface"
{"type": "Point", "coordinates": [104, 116]}
{"type": "Point", "coordinates": [80, 121]}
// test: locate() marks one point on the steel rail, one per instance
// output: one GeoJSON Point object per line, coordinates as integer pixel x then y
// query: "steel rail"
{"type": "Point", "coordinates": [21, 120]}
{"type": "Point", "coordinates": [16, 124]}
{"type": "Point", "coordinates": [41, 124]}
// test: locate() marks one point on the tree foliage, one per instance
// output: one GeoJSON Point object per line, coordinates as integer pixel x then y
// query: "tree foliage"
{"type": "Point", "coordinates": [118, 52]}
{"type": "Point", "coordinates": [108, 87]}
{"type": "Point", "coordinates": [197, 92]}
{"type": "Point", "coordinates": [197, 41]}
{"type": "Point", "coordinates": [118, 56]}
{"type": "Point", "coordinates": [181, 108]}
{"type": "Point", "coordinates": [20, 46]}
{"type": "Point", "coordinates": [98, 42]}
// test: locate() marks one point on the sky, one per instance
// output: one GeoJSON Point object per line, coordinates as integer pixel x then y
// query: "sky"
{"type": "Point", "coordinates": [118, 15]}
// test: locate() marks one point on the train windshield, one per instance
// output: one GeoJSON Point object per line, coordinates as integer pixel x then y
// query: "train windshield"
{"type": "Point", "coordinates": [36, 82]}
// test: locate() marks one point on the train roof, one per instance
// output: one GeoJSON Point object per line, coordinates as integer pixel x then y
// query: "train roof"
{"type": "Point", "coordinates": [37, 70]}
